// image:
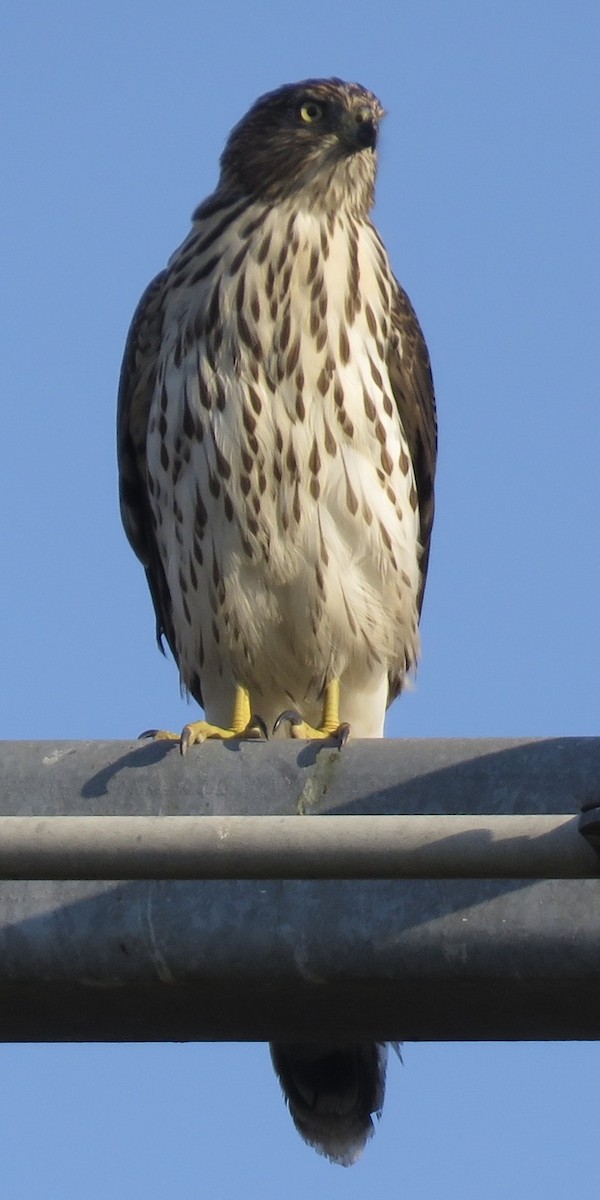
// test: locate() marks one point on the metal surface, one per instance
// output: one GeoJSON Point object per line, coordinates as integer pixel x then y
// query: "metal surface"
{"type": "Point", "coordinates": [487, 776]}
{"type": "Point", "coordinates": [589, 826]}
{"type": "Point", "coordinates": [413, 958]}
{"type": "Point", "coordinates": [317, 847]}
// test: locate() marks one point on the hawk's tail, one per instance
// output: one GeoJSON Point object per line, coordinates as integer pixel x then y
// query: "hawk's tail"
{"type": "Point", "coordinates": [332, 1089]}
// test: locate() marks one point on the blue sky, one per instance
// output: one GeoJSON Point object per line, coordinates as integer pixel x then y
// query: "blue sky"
{"type": "Point", "coordinates": [488, 200]}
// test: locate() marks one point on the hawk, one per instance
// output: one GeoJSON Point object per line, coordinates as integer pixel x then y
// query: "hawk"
{"type": "Point", "coordinates": [277, 444]}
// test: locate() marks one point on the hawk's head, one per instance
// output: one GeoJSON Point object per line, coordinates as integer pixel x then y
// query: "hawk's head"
{"type": "Point", "coordinates": [314, 141]}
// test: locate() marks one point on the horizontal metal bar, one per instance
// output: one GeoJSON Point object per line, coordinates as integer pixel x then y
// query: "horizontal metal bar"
{"type": "Point", "coordinates": [288, 847]}
{"type": "Point", "coordinates": [488, 775]}
{"type": "Point", "coordinates": [304, 958]}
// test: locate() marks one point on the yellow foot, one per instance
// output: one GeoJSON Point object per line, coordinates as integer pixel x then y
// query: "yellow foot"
{"type": "Point", "coordinates": [331, 728]}
{"type": "Point", "coordinates": [301, 729]}
{"type": "Point", "coordinates": [244, 726]}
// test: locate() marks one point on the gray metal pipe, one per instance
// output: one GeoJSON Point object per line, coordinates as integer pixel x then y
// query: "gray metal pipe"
{"type": "Point", "coordinates": [446, 776]}
{"type": "Point", "coordinates": [288, 847]}
{"type": "Point", "coordinates": [303, 958]}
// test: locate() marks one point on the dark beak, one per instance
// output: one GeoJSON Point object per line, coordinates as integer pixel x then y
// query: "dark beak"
{"type": "Point", "coordinates": [360, 129]}
{"type": "Point", "coordinates": [366, 132]}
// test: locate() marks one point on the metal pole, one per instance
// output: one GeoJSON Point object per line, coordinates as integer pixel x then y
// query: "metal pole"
{"type": "Point", "coordinates": [413, 777]}
{"type": "Point", "coordinates": [321, 847]}
{"type": "Point", "coordinates": [289, 958]}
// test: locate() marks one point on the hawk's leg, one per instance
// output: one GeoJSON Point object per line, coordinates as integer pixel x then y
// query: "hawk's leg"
{"type": "Point", "coordinates": [244, 725]}
{"type": "Point", "coordinates": [331, 728]}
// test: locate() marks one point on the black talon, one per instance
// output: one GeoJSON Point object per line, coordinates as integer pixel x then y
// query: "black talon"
{"type": "Point", "coordinates": [342, 735]}
{"type": "Point", "coordinates": [148, 733]}
{"type": "Point", "coordinates": [257, 722]}
{"type": "Point", "coordinates": [184, 740]}
{"type": "Point", "coordinates": [290, 715]}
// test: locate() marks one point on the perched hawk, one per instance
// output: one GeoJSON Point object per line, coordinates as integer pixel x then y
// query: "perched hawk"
{"type": "Point", "coordinates": [277, 445]}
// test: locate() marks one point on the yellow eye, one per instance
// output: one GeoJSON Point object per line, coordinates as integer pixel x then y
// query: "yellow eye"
{"type": "Point", "coordinates": [311, 112]}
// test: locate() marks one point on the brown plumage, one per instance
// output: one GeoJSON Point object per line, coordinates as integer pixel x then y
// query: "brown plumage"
{"type": "Point", "coordinates": [277, 445]}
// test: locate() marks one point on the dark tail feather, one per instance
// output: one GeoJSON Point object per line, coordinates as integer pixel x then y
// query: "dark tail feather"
{"type": "Point", "coordinates": [332, 1088]}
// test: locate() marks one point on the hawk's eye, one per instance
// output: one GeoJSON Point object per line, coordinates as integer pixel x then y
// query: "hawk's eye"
{"type": "Point", "coordinates": [311, 112]}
